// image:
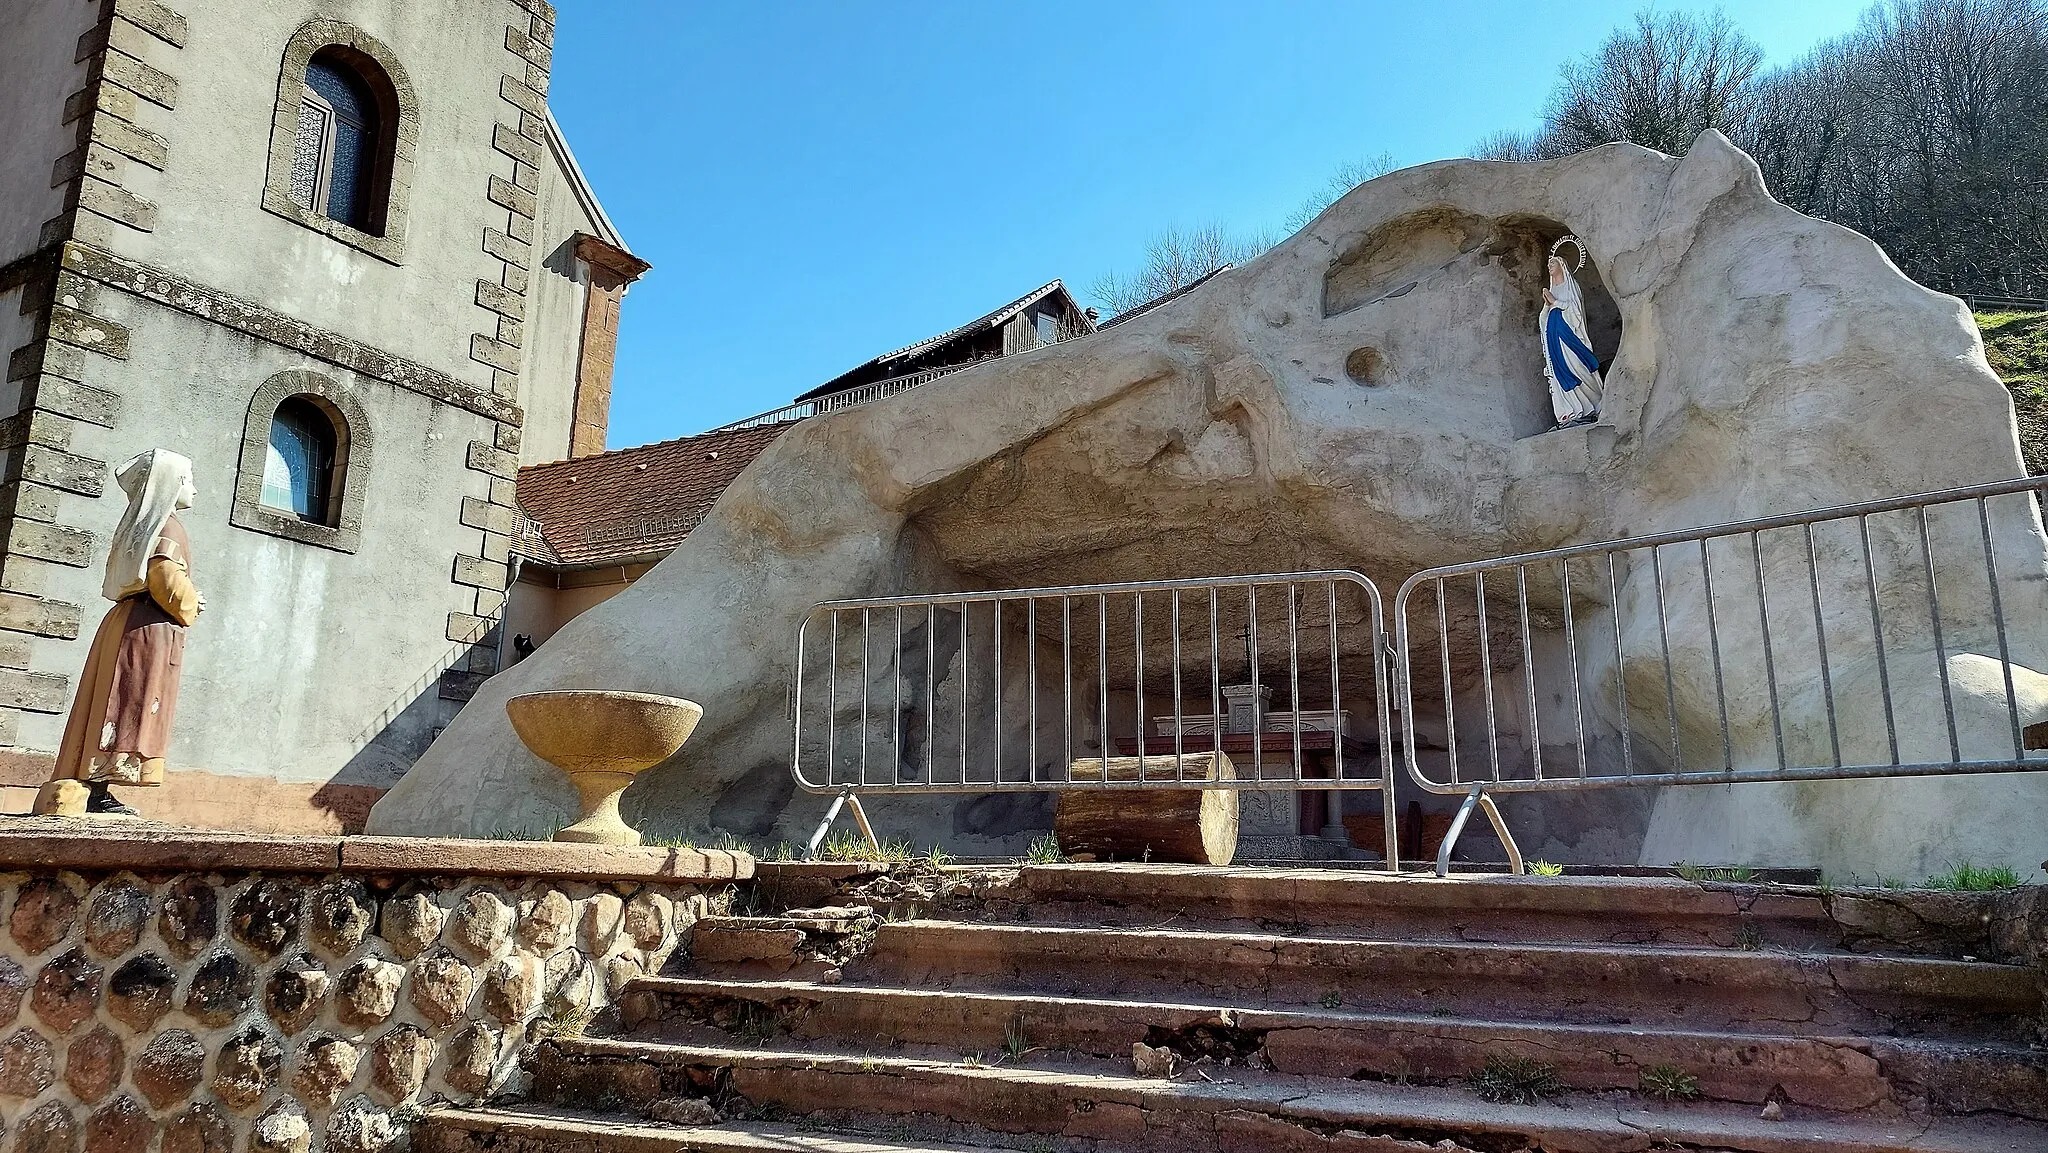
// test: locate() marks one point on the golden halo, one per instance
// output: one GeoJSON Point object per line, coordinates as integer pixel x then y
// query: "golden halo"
{"type": "Point", "coordinates": [1575, 242]}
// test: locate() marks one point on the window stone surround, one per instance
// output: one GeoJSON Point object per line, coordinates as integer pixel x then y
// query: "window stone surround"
{"type": "Point", "coordinates": [352, 445]}
{"type": "Point", "coordinates": [313, 36]}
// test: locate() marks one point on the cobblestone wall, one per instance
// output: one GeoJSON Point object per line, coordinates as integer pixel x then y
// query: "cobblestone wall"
{"type": "Point", "coordinates": [284, 1013]}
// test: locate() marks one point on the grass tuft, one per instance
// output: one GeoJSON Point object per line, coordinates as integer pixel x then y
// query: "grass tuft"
{"type": "Point", "coordinates": [1546, 869]}
{"type": "Point", "coordinates": [1044, 850]}
{"type": "Point", "coordinates": [1692, 872]}
{"type": "Point", "coordinates": [1506, 1080]}
{"type": "Point", "coordinates": [1668, 1083]}
{"type": "Point", "coordinates": [1964, 877]}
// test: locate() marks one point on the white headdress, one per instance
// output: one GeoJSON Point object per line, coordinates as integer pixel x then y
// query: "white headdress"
{"type": "Point", "coordinates": [154, 483]}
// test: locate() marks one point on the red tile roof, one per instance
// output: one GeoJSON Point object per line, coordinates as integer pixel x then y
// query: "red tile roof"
{"type": "Point", "coordinates": [635, 501]}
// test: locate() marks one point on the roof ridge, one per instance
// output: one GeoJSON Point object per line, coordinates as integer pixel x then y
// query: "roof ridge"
{"type": "Point", "coordinates": [617, 452]}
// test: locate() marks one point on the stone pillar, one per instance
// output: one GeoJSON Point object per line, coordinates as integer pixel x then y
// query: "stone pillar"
{"type": "Point", "coordinates": [611, 269]}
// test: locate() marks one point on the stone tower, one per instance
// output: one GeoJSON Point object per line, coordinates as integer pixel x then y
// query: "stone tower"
{"type": "Point", "coordinates": [339, 255]}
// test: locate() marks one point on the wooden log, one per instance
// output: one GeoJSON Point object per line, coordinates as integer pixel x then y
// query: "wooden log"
{"type": "Point", "coordinates": [1181, 825]}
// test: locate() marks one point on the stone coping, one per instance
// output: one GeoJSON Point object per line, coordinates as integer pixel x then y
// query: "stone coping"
{"type": "Point", "coordinates": [102, 845]}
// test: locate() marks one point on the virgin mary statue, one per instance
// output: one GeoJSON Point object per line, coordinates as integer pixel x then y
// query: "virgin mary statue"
{"type": "Point", "coordinates": [1568, 358]}
{"type": "Point", "coordinates": [120, 720]}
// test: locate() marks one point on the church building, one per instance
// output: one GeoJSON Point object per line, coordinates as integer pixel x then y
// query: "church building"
{"type": "Point", "coordinates": [338, 253]}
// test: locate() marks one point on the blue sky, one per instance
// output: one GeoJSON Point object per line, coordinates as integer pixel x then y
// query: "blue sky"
{"type": "Point", "coordinates": [817, 182]}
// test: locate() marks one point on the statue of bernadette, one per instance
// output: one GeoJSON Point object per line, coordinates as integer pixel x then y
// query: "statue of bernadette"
{"type": "Point", "coordinates": [120, 723]}
{"type": "Point", "coordinates": [1568, 359]}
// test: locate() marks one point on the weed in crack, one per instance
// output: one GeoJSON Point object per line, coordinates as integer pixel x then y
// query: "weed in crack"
{"type": "Point", "coordinates": [1668, 1083]}
{"type": "Point", "coordinates": [1506, 1080]}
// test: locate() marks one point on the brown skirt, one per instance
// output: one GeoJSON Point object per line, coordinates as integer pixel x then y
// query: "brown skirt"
{"type": "Point", "coordinates": [120, 723]}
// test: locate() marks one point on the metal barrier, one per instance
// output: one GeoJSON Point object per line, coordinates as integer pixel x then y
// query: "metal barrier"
{"type": "Point", "coordinates": [1001, 691]}
{"type": "Point", "coordinates": [1868, 640]}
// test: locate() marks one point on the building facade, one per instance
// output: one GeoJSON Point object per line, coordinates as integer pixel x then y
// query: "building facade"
{"type": "Point", "coordinates": [596, 523]}
{"type": "Point", "coordinates": [338, 254]}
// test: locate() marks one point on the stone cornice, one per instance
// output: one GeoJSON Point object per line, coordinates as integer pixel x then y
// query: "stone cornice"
{"type": "Point", "coordinates": [252, 319]}
{"type": "Point", "coordinates": [48, 843]}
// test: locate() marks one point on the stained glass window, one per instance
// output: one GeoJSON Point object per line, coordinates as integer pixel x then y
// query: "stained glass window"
{"type": "Point", "coordinates": [298, 469]}
{"type": "Point", "coordinates": [307, 154]}
{"type": "Point", "coordinates": [336, 145]}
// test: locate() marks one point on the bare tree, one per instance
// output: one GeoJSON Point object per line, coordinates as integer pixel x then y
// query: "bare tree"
{"type": "Point", "coordinates": [1659, 84]}
{"type": "Point", "coordinates": [1175, 258]}
{"type": "Point", "coordinates": [1510, 145]}
{"type": "Point", "coordinates": [1348, 176]}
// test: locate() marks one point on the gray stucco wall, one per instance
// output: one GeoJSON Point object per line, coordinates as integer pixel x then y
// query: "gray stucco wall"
{"type": "Point", "coordinates": [554, 318]}
{"type": "Point", "coordinates": [212, 226]}
{"type": "Point", "coordinates": [36, 50]}
{"type": "Point", "coordinates": [308, 663]}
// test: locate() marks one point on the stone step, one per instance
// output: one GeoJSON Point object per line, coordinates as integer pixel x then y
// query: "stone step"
{"type": "Point", "coordinates": [1272, 1113]}
{"type": "Point", "coordinates": [1829, 1072]}
{"type": "Point", "coordinates": [1646, 986]}
{"type": "Point", "coordinates": [802, 943]}
{"type": "Point", "coordinates": [534, 1130]}
{"type": "Point", "coordinates": [1603, 910]}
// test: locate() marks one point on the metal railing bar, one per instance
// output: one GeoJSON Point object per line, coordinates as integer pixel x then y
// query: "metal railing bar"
{"type": "Point", "coordinates": [2012, 704]}
{"type": "Point", "coordinates": [896, 714]}
{"type": "Point", "coordinates": [1628, 760]}
{"type": "Point", "coordinates": [1571, 648]}
{"type": "Point", "coordinates": [1529, 672]}
{"type": "Point", "coordinates": [1294, 678]}
{"type": "Point", "coordinates": [1820, 637]}
{"type": "Point", "coordinates": [1251, 627]}
{"type": "Point", "coordinates": [1179, 722]}
{"type": "Point", "coordinates": [1714, 643]}
{"type": "Point", "coordinates": [1948, 704]}
{"type": "Point", "coordinates": [1154, 586]}
{"type": "Point", "coordinates": [996, 677]}
{"type": "Point", "coordinates": [1763, 608]}
{"type": "Point", "coordinates": [1486, 676]}
{"type": "Point", "coordinates": [1884, 676]}
{"type": "Point", "coordinates": [1138, 672]}
{"type": "Point", "coordinates": [1664, 639]}
{"type": "Point", "coordinates": [1443, 622]}
{"type": "Point", "coordinates": [1031, 679]}
{"type": "Point", "coordinates": [1102, 670]}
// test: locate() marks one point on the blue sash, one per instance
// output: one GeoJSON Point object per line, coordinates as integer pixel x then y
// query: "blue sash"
{"type": "Point", "coordinates": [1558, 337]}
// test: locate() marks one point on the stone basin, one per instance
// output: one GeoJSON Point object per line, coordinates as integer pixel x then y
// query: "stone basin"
{"type": "Point", "coordinates": [600, 738]}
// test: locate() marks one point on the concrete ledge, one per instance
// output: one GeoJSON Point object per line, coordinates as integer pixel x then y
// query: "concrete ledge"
{"type": "Point", "coordinates": [107, 845]}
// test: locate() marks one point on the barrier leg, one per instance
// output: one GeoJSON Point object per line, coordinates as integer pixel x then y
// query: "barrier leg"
{"type": "Point", "coordinates": [1443, 851]}
{"type": "Point", "coordinates": [860, 817]}
{"type": "Point", "coordinates": [1500, 829]}
{"type": "Point", "coordinates": [831, 814]}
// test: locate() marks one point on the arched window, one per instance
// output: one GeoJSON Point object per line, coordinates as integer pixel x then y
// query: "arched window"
{"type": "Point", "coordinates": [343, 139]}
{"type": "Point", "coordinates": [298, 470]}
{"type": "Point", "coordinates": [337, 157]}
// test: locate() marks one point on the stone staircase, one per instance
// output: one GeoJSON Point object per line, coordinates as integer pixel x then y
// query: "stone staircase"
{"type": "Point", "coordinates": [1125, 1008]}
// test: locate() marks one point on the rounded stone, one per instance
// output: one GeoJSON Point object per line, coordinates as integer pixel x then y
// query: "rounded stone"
{"type": "Point", "coordinates": [27, 1064]}
{"type": "Point", "coordinates": [120, 1126]}
{"type": "Point", "coordinates": [548, 922]}
{"type": "Point", "coordinates": [50, 1129]}
{"type": "Point", "coordinates": [1366, 366]}
{"type": "Point", "coordinates": [221, 990]}
{"type": "Point", "coordinates": [200, 1129]}
{"type": "Point", "coordinates": [190, 916]}
{"type": "Point", "coordinates": [115, 919]}
{"type": "Point", "coordinates": [412, 923]}
{"type": "Point", "coordinates": [481, 924]}
{"type": "Point", "coordinates": [569, 981]}
{"type": "Point", "coordinates": [514, 988]}
{"type": "Point", "coordinates": [368, 991]}
{"type": "Point", "coordinates": [327, 1066]}
{"type": "Point", "coordinates": [399, 1062]}
{"type": "Point", "coordinates": [246, 1068]}
{"type": "Point", "coordinates": [265, 916]}
{"type": "Point", "coordinates": [293, 995]}
{"type": "Point", "coordinates": [93, 1064]}
{"type": "Point", "coordinates": [601, 922]}
{"type": "Point", "coordinates": [170, 1067]}
{"type": "Point", "coordinates": [44, 912]}
{"type": "Point", "coordinates": [66, 991]}
{"type": "Point", "coordinates": [620, 970]}
{"type": "Point", "coordinates": [283, 1129]}
{"type": "Point", "coordinates": [341, 913]}
{"type": "Point", "coordinates": [139, 993]}
{"type": "Point", "coordinates": [472, 1059]}
{"type": "Point", "coordinates": [441, 987]}
{"type": "Point", "coordinates": [647, 918]}
{"type": "Point", "coordinates": [13, 989]}
{"type": "Point", "coordinates": [360, 1127]}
